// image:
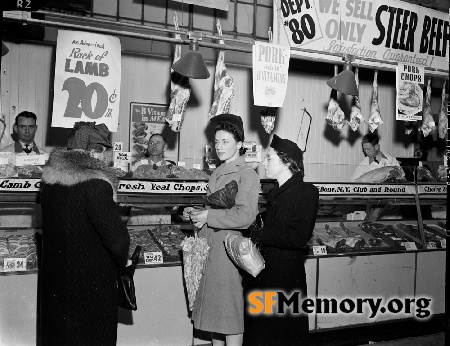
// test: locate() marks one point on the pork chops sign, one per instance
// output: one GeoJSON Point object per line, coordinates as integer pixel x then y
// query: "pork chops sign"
{"type": "Point", "coordinates": [87, 79]}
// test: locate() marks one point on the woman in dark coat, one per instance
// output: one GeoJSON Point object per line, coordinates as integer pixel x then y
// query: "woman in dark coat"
{"type": "Point", "coordinates": [84, 241]}
{"type": "Point", "coordinates": [291, 214]}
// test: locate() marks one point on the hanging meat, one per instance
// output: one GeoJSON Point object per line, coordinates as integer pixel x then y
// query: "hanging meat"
{"type": "Point", "coordinates": [355, 113]}
{"type": "Point", "coordinates": [443, 116]}
{"type": "Point", "coordinates": [428, 123]}
{"type": "Point", "coordinates": [223, 84]}
{"type": "Point", "coordinates": [335, 116]}
{"type": "Point", "coordinates": [375, 115]}
{"type": "Point", "coordinates": [268, 119]}
{"type": "Point", "coordinates": [180, 90]}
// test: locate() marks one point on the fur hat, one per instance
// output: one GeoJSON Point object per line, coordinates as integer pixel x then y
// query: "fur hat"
{"type": "Point", "coordinates": [87, 136]}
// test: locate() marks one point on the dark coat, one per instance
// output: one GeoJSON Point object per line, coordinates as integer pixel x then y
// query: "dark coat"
{"type": "Point", "coordinates": [84, 240]}
{"type": "Point", "coordinates": [289, 223]}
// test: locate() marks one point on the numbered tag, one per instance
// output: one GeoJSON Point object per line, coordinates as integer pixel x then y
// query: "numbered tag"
{"type": "Point", "coordinates": [181, 163]}
{"type": "Point", "coordinates": [319, 250]}
{"type": "Point", "coordinates": [118, 146]}
{"type": "Point", "coordinates": [176, 117]}
{"type": "Point", "coordinates": [211, 165]}
{"type": "Point", "coordinates": [410, 245]}
{"type": "Point", "coordinates": [431, 245]}
{"type": "Point", "coordinates": [153, 257]}
{"type": "Point", "coordinates": [15, 264]}
{"type": "Point", "coordinates": [443, 241]}
{"type": "Point", "coordinates": [144, 162]}
{"type": "Point", "coordinates": [196, 166]}
{"type": "Point", "coordinates": [122, 156]}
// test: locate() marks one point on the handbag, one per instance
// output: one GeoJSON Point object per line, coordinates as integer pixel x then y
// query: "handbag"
{"type": "Point", "coordinates": [244, 253]}
{"type": "Point", "coordinates": [126, 296]}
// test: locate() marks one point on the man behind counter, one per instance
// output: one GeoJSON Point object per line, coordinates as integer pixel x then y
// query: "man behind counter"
{"type": "Point", "coordinates": [374, 157]}
{"type": "Point", "coordinates": [157, 145]}
{"type": "Point", "coordinates": [25, 127]}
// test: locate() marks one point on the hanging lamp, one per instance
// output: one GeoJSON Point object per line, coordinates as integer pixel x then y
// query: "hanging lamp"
{"type": "Point", "coordinates": [345, 81]}
{"type": "Point", "coordinates": [192, 64]}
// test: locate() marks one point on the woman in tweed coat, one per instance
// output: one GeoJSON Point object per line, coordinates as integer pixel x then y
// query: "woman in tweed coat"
{"type": "Point", "coordinates": [219, 305]}
{"type": "Point", "coordinates": [84, 241]}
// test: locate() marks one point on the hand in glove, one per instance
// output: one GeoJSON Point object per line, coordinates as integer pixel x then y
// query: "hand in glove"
{"type": "Point", "coordinates": [256, 229]}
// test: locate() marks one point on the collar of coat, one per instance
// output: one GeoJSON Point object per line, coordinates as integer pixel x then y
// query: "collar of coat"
{"type": "Point", "coordinates": [295, 179]}
{"type": "Point", "coordinates": [71, 167]}
{"type": "Point", "coordinates": [231, 167]}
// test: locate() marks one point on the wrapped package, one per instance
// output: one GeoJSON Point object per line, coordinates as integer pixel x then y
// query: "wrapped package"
{"type": "Point", "coordinates": [244, 253]}
{"type": "Point", "coordinates": [375, 114]}
{"type": "Point", "coordinates": [223, 84]}
{"type": "Point", "coordinates": [356, 116]}
{"type": "Point", "coordinates": [180, 90]}
{"type": "Point", "coordinates": [428, 123]}
{"type": "Point", "coordinates": [223, 198]}
{"type": "Point", "coordinates": [195, 252]}
{"type": "Point", "coordinates": [443, 117]}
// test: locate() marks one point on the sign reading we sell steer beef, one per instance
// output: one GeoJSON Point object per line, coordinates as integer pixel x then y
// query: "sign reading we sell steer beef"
{"type": "Point", "coordinates": [87, 79]}
{"type": "Point", "coordinates": [382, 30]}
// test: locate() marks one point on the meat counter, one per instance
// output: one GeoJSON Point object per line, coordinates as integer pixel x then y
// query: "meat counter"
{"type": "Point", "coordinates": [368, 238]}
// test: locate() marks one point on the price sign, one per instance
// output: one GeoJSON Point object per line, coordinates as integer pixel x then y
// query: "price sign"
{"type": "Point", "coordinates": [87, 79]}
{"type": "Point", "coordinates": [153, 257]}
{"type": "Point", "coordinates": [181, 163]}
{"type": "Point", "coordinates": [431, 245]}
{"type": "Point", "coordinates": [4, 160]}
{"type": "Point", "coordinates": [443, 245]}
{"type": "Point", "coordinates": [118, 146]}
{"type": "Point", "coordinates": [319, 250]}
{"type": "Point", "coordinates": [410, 245]}
{"type": "Point", "coordinates": [122, 156]}
{"type": "Point", "coordinates": [33, 160]}
{"type": "Point", "coordinates": [196, 166]}
{"type": "Point", "coordinates": [15, 264]}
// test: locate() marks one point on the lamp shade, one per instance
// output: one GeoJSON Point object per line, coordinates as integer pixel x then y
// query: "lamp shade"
{"type": "Point", "coordinates": [344, 82]}
{"type": "Point", "coordinates": [5, 49]}
{"type": "Point", "coordinates": [192, 64]}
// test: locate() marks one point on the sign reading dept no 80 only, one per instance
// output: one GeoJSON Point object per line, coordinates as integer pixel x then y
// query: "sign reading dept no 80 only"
{"type": "Point", "coordinates": [87, 79]}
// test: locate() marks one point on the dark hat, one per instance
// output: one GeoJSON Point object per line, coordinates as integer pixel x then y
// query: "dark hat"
{"type": "Point", "coordinates": [234, 120]}
{"type": "Point", "coordinates": [288, 147]}
{"type": "Point", "coordinates": [87, 135]}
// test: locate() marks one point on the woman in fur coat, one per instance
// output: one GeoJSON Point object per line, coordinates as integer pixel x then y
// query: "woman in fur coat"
{"type": "Point", "coordinates": [84, 241]}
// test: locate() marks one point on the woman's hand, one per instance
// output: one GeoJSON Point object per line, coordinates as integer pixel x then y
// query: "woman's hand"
{"type": "Point", "coordinates": [187, 214]}
{"type": "Point", "coordinates": [199, 217]}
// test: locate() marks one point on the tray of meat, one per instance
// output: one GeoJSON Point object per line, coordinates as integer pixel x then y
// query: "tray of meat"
{"type": "Point", "coordinates": [145, 240]}
{"type": "Point", "coordinates": [385, 232]}
{"type": "Point", "coordinates": [169, 238]}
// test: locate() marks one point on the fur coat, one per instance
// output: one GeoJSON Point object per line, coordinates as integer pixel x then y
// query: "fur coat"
{"type": "Point", "coordinates": [83, 242]}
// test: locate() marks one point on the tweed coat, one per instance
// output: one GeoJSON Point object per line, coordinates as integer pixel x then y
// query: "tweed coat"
{"type": "Point", "coordinates": [288, 226]}
{"type": "Point", "coordinates": [219, 304]}
{"type": "Point", "coordinates": [84, 241]}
